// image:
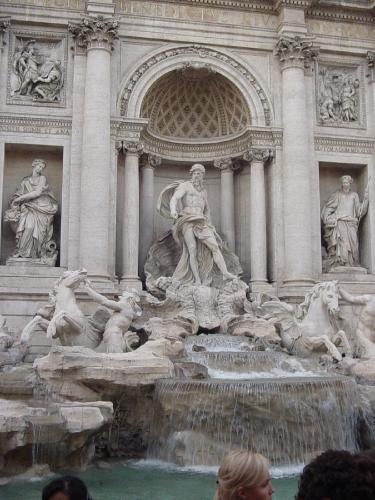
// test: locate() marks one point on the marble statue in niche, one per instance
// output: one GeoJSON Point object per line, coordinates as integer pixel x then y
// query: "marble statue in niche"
{"type": "Point", "coordinates": [36, 76]}
{"type": "Point", "coordinates": [186, 203]}
{"type": "Point", "coordinates": [338, 96]}
{"type": "Point", "coordinates": [32, 209]}
{"type": "Point", "coordinates": [341, 216]}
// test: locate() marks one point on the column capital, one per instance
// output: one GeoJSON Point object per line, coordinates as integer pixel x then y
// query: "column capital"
{"type": "Point", "coordinates": [4, 25]}
{"type": "Point", "coordinates": [95, 32]}
{"type": "Point", "coordinates": [259, 155]}
{"type": "Point", "coordinates": [132, 147]}
{"type": "Point", "coordinates": [152, 161]}
{"type": "Point", "coordinates": [370, 56]}
{"type": "Point", "coordinates": [297, 52]}
{"type": "Point", "coordinates": [225, 164]}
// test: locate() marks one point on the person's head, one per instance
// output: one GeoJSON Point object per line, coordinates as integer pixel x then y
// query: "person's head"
{"type": "Point", "coordinates": [346, 183]}
{"type": "Point", "coordinates": [38, 165]}
{"type": "Point", "coordinates": [338, 475]}
{"type": "Point", "coordinates": [244, 475]}
{"type": "Point", "coordinates": [197, 173]}
{"type": "Point", "coordinates": [65, 488]}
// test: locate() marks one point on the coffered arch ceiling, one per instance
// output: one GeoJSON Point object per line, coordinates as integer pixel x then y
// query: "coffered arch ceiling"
{"type": "Point", "coordinates": [191, 103]}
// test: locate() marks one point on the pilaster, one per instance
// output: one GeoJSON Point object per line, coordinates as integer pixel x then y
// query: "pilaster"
{"type": "Point", "coordinates": [96, 35]}
{"type": "Point", "coordinates": [294, 53]}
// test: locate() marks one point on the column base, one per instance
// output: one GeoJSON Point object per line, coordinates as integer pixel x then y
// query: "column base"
{"type": "Point", "coordinates": [129, 283]}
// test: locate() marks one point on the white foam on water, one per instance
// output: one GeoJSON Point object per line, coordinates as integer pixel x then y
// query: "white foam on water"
{"type": "Point", "coordinates": [275, 372]}
{"type": "Point", "coordinates": [276, 472]}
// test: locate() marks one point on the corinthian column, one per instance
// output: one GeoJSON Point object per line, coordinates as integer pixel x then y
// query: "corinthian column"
{"type": "Point", "coordinates": [227, 201]}
{"type": "Point", "coordinates": [130, 235]}
{"type": "Point", "coordinates": [297, 208]}
{"type": "Point", "coordinates": [97, 35]}
{"type": "Point", "coordinates": [147, 206]}
{"type": "Point", "coordinates": [258, 224]}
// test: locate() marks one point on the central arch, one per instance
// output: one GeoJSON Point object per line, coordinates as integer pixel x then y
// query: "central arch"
{"type": "Point", "coordinates": [161, 62]}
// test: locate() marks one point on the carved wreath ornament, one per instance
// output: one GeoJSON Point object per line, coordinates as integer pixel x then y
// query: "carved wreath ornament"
{"type": "Point", "coordinates": [202, 52]}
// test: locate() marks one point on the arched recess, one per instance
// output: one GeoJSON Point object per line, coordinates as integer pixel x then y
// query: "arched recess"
{"type": "Point", "coordinates": [161, 62]}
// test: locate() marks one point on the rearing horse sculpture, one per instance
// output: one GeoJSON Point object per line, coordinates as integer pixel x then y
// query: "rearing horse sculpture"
{"type": "Point", "coordinates": [311, 326]}
{"type": "Point", "coordinates": [68, 322]}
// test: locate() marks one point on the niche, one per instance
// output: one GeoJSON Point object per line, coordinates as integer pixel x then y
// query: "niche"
{"type": "Point", "coordinates": [18, 159]}
{"type": "Point", "coordinates": [329, 182]}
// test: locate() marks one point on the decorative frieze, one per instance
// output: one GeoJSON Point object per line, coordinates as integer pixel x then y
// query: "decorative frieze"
{"type": "Point", "coordinates": [296, 51]}
{"type": "Point", "coordinates": [344, 145]}
{"type": "Point", "coordinates": [339, 100]}
{"type": "Point", "coordinates": [55, 4]}
{"type": "Point", "coordinates": [35, 125]}
{"type": "Point", "coordinates": [95, 32]}
{"type": "Point", "coordinates": [36, 68]}
{"type": "Point", "coordinates": [201, 52]}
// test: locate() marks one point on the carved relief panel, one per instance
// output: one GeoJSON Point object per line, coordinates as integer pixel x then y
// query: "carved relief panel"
{"type": "Point", "coordinates": [36, 69]}
{"type": "Point", "coordinates": [339, 95]}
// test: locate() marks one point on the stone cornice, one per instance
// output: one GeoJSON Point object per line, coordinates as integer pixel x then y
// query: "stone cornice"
{"type": "Point", "coordinates": [296, 4]}
{"type": "Point", "coordinates": [95, 32]}
{"type": "Point", "coordinates": [224, 147]}
{"type": "Point", "coordinates": [341, 13]}
{"type": "Point", "coordinates": [127, 129]}
{"type": "Point", "coordinates": [35, 125]}
{"type": "Point", "coordinates": [248, 5]}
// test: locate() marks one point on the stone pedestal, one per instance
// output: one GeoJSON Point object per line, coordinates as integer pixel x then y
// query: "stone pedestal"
{"type": "Point", "coordinates": [130, 234]}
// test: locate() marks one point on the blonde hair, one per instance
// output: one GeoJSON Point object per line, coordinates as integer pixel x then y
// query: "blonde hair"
{"type": "Point", "coordinates": [240, 468]}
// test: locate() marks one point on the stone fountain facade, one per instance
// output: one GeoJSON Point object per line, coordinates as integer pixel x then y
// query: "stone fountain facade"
{"type": "Point", "coordinates": [104, 108]}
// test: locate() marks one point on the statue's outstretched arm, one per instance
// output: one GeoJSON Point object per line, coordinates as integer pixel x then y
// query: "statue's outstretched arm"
{"type": "Point", "coordinates": [101, 299]}
{"type": "Point", "coordinates": [353, 299]}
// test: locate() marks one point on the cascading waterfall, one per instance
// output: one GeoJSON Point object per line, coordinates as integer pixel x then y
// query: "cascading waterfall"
{"type": "Point", "coordinates": [287, 420]}
{"type": "Point", "coordinates": [287, 417]}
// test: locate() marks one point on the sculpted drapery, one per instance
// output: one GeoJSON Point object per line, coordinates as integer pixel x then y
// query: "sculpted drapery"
{"type": "Point", "coordinates": [341, 215]}
{"type": "Point", "coordinates": [33, 207]}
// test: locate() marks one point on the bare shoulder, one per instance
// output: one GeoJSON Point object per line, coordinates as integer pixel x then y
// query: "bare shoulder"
{"type": "Point", "coordinates": [185, 186]}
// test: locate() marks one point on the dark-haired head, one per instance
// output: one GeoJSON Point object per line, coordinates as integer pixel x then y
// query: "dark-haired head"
{"type": "Point", "coordinates": [66, 488]}
{"type": "Point", "coordinates": [338, 475]}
